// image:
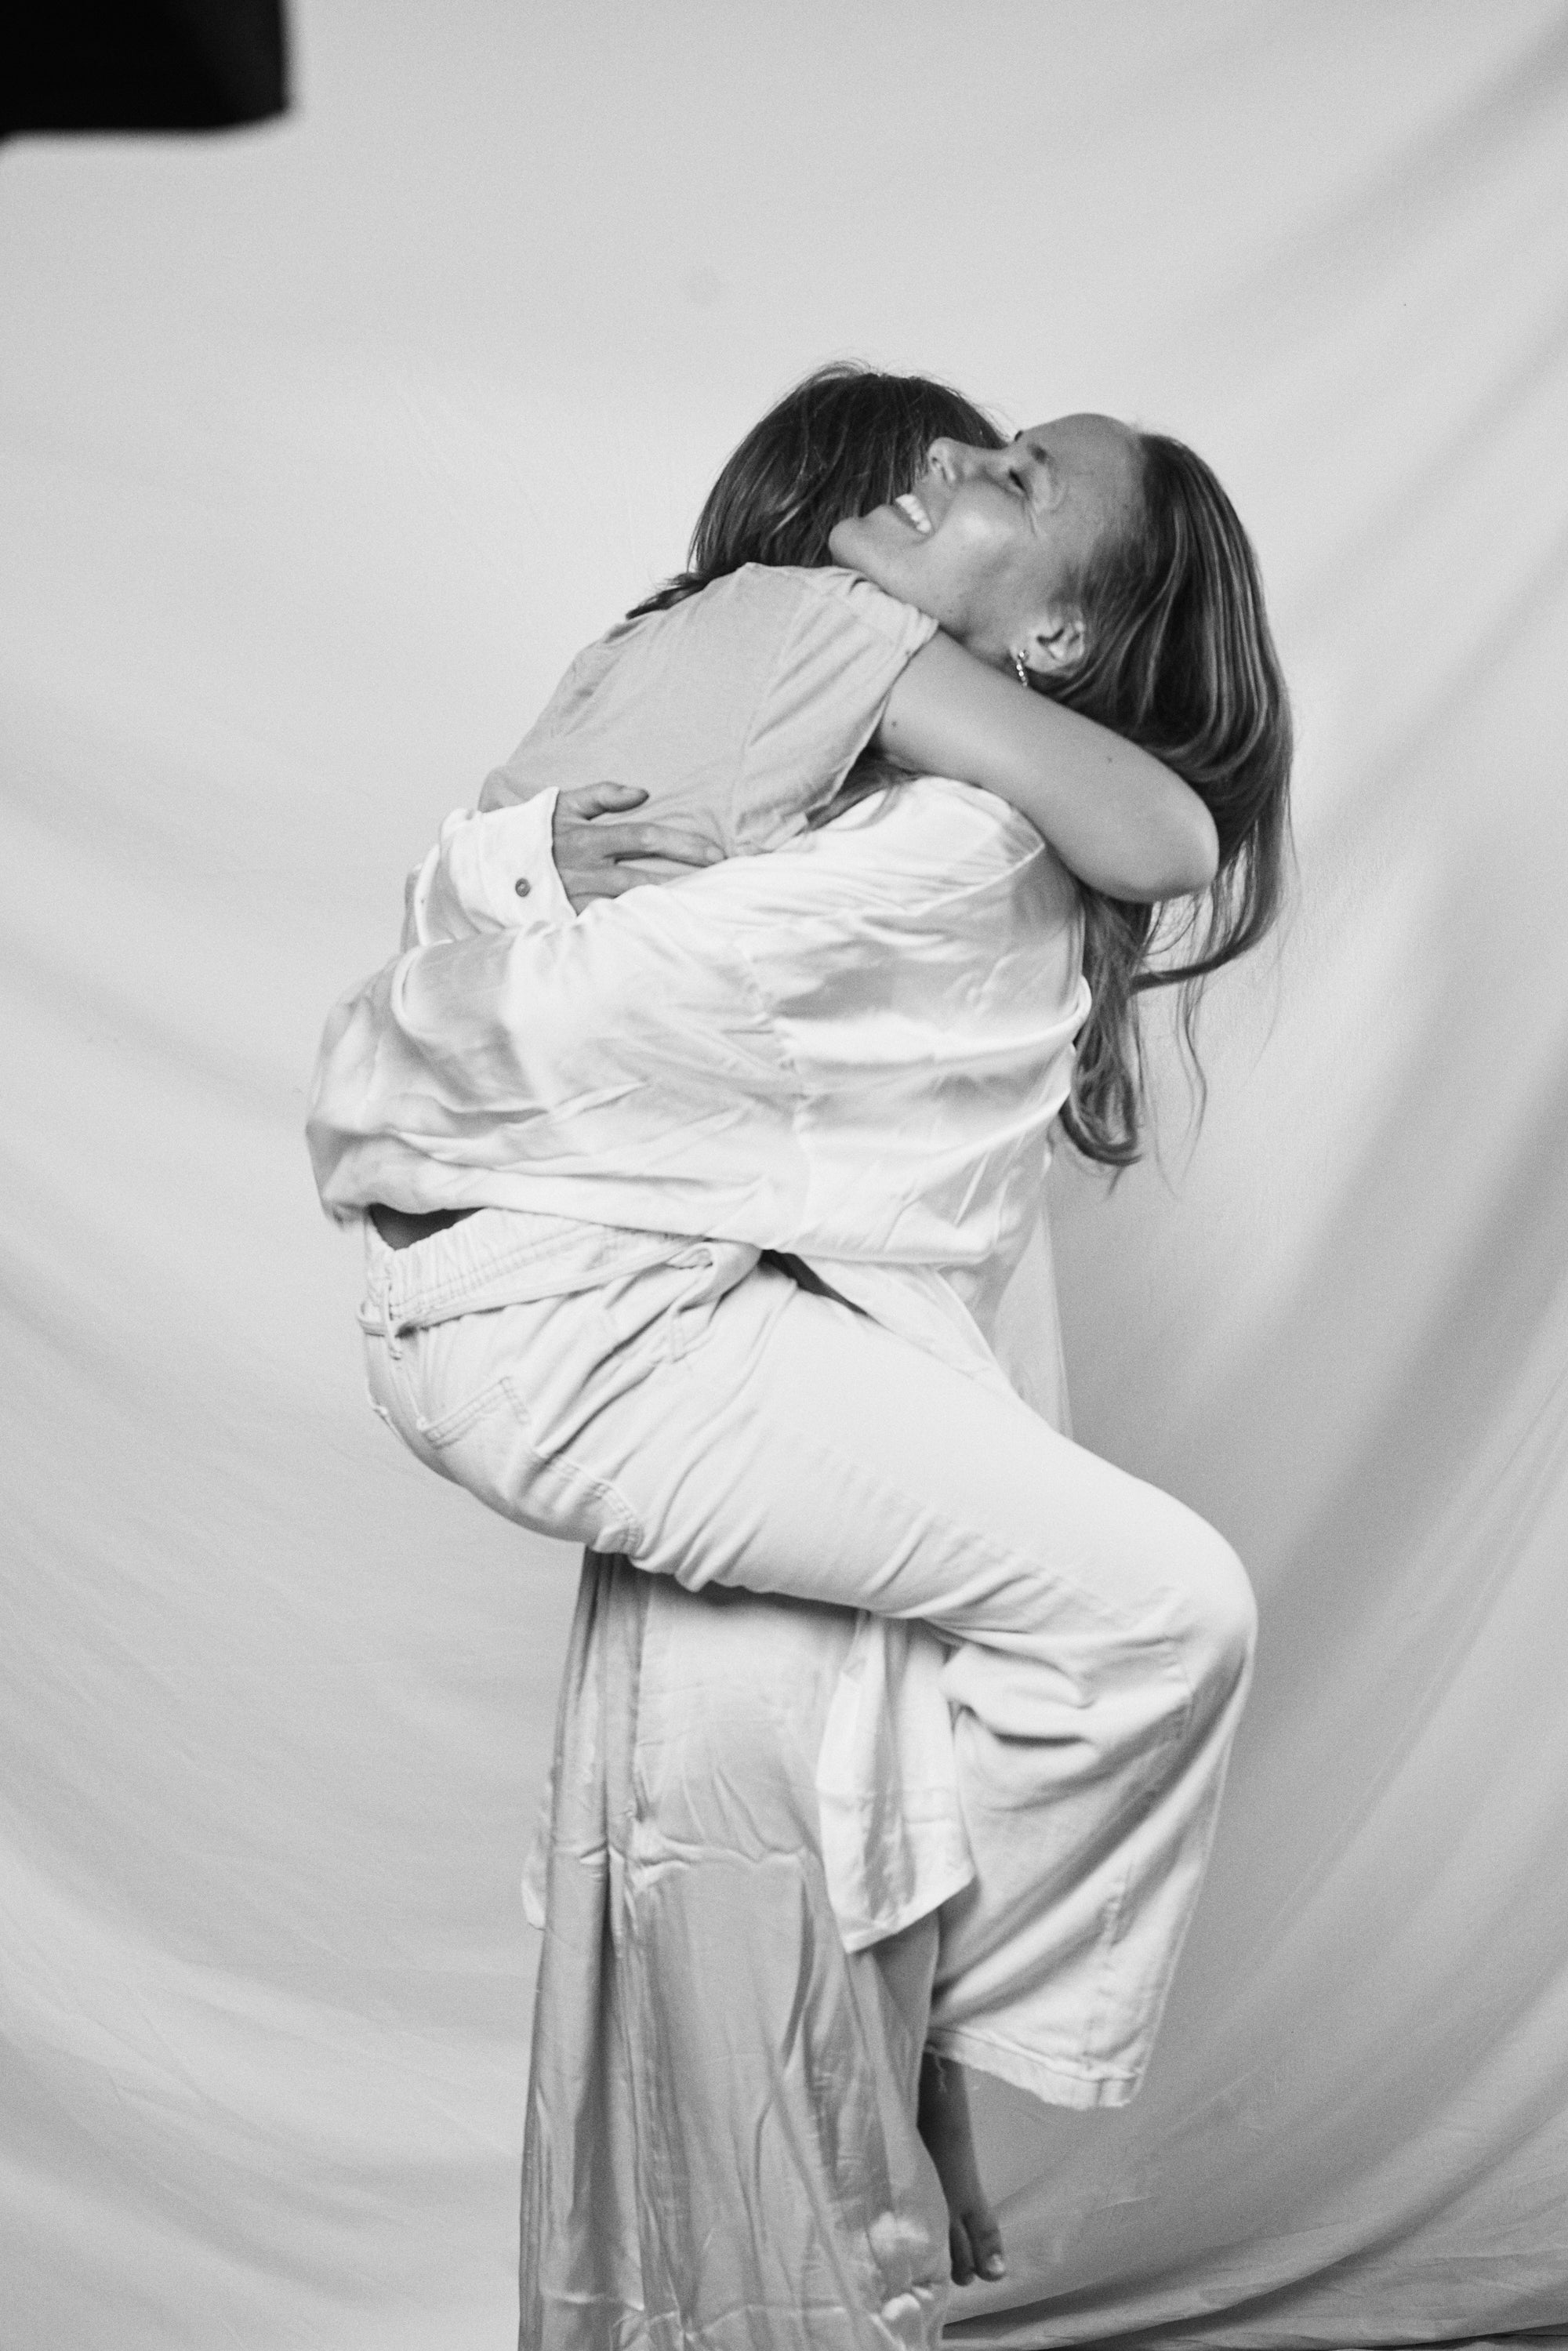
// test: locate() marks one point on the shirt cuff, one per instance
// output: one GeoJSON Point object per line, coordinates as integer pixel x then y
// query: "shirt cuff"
{"type": "Point", "coordinates": [493, 871]}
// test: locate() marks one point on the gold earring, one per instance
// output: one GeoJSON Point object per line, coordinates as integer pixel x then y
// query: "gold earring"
{"type": "Point", "coordinates": [1024, 676]}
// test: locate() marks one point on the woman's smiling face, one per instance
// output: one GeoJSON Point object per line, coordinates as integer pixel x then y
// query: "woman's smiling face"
{"type": "Point", "coordinates": [993, 542]}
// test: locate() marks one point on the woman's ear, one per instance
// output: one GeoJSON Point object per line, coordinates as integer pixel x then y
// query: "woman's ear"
{"type": "Point", "coordinates": [1057, 641]}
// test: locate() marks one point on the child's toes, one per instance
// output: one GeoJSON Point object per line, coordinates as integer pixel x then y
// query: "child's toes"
{"type": "Point", "coordinates": [959, 2253]}
{"type": "Point", "coordinates": [985, 2243]}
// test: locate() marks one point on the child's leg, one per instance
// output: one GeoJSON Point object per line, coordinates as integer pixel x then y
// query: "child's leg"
{"type": "Point", "coordinates": [763, 1436]}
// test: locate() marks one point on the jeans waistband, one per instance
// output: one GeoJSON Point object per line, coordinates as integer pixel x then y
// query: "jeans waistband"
{"type": "Point", "coordinates": [500, 1257]}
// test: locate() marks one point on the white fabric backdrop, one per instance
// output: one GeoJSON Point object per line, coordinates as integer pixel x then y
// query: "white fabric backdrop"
{"type": "Point", "coordinates": [321, 449]}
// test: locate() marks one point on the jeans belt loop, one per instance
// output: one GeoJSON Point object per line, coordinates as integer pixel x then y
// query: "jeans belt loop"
{"type": "Point", "coordinates": [389, 1328]}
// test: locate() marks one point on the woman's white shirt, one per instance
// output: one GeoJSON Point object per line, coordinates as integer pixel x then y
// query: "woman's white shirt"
{"type": "Point", "coordinates": [852, 1048]}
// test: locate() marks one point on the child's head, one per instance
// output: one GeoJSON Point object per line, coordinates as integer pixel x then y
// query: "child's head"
{"type": "Point", "coordinates": [845, 440]}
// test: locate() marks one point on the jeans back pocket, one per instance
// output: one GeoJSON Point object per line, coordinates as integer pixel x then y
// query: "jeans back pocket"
{"type": "Point", "coordinates": [487, 1446]}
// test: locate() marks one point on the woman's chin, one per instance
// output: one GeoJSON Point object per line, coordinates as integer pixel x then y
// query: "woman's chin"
{"type": "Point", "coordinates": [842, 541]}
{"type": "Point", "coordinates": [878, 545]}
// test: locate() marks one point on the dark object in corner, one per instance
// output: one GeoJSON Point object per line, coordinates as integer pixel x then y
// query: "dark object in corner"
{"type": "Point", "coordinates": [141, 65]}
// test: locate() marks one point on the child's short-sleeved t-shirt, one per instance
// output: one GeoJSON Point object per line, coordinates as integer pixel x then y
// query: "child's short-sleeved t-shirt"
{"type": "Point", "coordinates": [738, 710]}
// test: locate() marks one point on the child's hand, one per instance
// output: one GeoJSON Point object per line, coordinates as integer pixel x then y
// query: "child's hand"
{"type": "Point", "coordinates": [592, 855]}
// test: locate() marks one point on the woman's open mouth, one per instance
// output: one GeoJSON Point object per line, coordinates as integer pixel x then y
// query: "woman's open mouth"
{"type": "Point", "coordinates": [915, 513]}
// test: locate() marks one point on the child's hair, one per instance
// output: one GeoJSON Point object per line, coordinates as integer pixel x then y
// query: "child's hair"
{"type": "Point", "coordinates": [1179, 660]}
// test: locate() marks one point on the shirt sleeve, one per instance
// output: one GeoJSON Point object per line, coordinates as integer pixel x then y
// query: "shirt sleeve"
{"type": "Point", "coordinates": [488, 871]}
{"type": "Point", "coordinates": [779, 1049]}
{"type": "Point", "coordinates": [842, 653]}
{"type": "Point", "coordinates": [626, 1047]}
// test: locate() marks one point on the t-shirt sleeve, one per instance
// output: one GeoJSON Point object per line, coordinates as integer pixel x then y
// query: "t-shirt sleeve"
{"type": "Point", "coordinates": [838, 659]}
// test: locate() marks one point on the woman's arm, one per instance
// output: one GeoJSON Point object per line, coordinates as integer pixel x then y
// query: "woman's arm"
{"type": "Point", "coordinates": [713, 1059]}
{"type": "Point", "coordinates": [539, 862]}
{"type": "Point", "coordinates": [1112, 814]}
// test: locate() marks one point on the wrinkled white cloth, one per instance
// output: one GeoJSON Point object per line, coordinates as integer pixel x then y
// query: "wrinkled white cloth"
{"type": "Point", "coordinates": [853, 1048]}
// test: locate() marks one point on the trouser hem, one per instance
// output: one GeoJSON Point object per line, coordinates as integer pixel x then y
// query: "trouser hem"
{"type": "Point", "coordinates": [1055, 2085]}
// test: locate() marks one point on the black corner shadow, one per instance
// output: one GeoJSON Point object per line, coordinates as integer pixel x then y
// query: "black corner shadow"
{"type": "Point", "coordinates": [141, 65]}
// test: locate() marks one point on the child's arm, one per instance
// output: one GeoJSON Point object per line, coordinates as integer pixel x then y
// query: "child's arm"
{"type": "Point", "coordinates": [1113, 815]}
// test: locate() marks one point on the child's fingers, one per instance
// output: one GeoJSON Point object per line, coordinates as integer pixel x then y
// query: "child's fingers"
{"type": "Point", "coordinates": [595, 800]}
{"type": "Point", "coordinates": [604, 877]}
{"type": "Point", "coordinates": [659, 840]}
{"type": "Point", "coordinates": [602, 844]}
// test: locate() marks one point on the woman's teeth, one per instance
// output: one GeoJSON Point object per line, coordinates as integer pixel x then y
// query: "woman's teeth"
{"type": "Point", "coordinates": [910, 507]}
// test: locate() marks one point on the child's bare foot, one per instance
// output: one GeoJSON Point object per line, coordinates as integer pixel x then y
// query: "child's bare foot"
{"type": "Point", "coordinates": [943, 2118]}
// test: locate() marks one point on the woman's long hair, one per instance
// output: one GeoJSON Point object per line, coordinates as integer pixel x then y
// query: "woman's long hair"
{"type": "Point", "coordinates": [1179, 660]}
